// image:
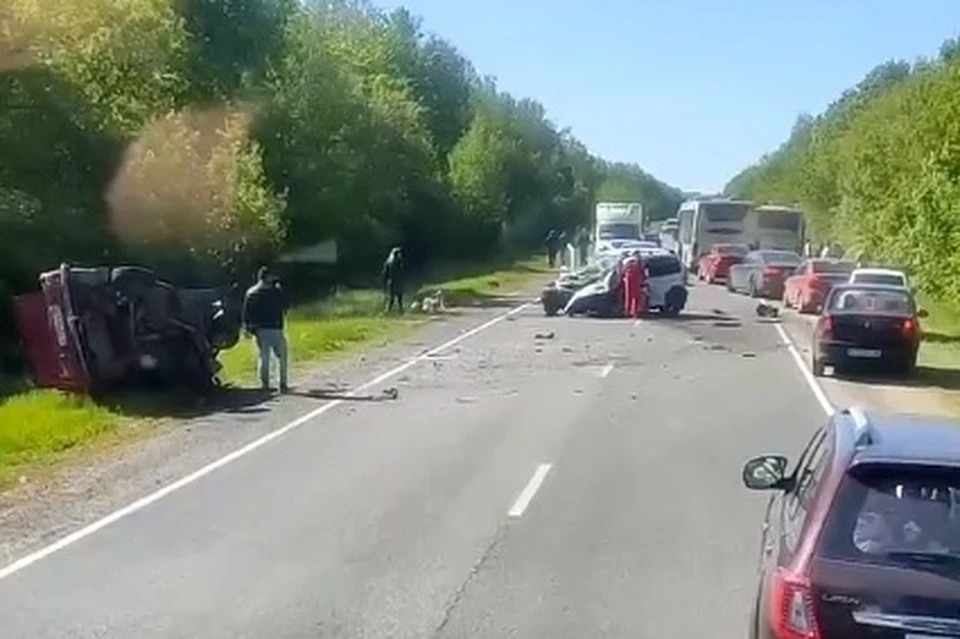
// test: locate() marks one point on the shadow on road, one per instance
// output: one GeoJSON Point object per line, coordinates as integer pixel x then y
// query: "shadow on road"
{"type": "Point", "coordinates": [182, 405]}
{"type": "Point", "coordinates": [923, 377]}
{"type": "Point", "coordinates": [940, 338]}
{"type": "Point", "coordinates": [387, 395]}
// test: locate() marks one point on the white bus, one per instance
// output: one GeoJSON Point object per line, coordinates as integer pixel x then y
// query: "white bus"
{"type": "Point", "coordinates": [778, 227]}
{"type": "Point", "coordinates": [703, 223]}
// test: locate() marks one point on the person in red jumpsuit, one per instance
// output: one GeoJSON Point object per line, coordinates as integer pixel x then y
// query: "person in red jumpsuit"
{"type": "Point", "coordinates": [633, 282]}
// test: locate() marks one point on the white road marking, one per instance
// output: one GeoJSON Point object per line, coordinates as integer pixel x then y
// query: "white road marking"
{"type": "Point", "coordinates": [606, 370]}
{"type": "Point", "coordinates": [529, 491]}
{"type": "Point", "coordinates": [143, 502]}
{"type": "Point", "coordinates": [637, 322]}
{"type": "Point", "coordinates": [807, 375]}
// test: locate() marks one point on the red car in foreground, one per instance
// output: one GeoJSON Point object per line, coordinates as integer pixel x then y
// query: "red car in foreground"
{"type": "Point", "coordinates": [715, 264]}
{"type": "Point", "coordinates": [862, 537]}
{"type": "Point", "coordinates": [809, 285]}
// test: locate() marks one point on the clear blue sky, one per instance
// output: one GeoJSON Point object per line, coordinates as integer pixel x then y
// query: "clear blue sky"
{"type": "Point", "coordinates": [692, 90]}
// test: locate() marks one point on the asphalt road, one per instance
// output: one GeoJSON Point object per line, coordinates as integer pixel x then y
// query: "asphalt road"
{"type": "Point", "coordinates": [584, 485]}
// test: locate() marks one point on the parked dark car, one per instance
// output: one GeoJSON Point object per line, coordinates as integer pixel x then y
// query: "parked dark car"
{"type": "Point", "coordinates": [869, 325]}
{"type": "Point", "coordinates": [861, 539]}
{"type": "Point", "coordinates": [763, 273]}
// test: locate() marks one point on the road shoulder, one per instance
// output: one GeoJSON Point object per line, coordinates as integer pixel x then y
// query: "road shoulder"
{"type": "Point", "coordinates": [47, 507]}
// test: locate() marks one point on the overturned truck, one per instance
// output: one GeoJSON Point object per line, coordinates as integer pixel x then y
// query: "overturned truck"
{"type": "Point", "coordinates": [93, 329]}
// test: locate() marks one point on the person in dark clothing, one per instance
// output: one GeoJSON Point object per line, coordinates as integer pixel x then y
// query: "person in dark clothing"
{"type": "Point", "coordinates": [583, 246]}
{"type": "Point", "coordinates": [552, 243]}
{"type": "Point", "coordinates": [393, 276]}
{"type": "Point", "coordinates": [264, 306]}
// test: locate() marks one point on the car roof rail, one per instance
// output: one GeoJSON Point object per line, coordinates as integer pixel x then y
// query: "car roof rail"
{"type": "Point", "coordinates": [862, 430]}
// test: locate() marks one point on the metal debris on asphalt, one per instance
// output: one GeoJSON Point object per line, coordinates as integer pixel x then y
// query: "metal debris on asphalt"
{"type": "Point", "coordinates": [749, 355]}
{"type": "Point", "coordinates": [549, 335]}
{"type": "Point", "coordinates": [767, 310]}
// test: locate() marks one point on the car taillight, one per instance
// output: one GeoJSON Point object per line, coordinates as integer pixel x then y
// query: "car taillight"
{"type": "Point", "coordinates": [792, 614]}
{"type": "Point", "coordinates": [824, 325]}
{"type": "Point", "coordinates": [909, 327]}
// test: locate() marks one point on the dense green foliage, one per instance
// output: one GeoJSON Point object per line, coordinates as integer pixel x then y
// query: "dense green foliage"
{"type": "Point", "coordinates": [203, 136]}
{"type": "Point", "coordinates": [879, 170]}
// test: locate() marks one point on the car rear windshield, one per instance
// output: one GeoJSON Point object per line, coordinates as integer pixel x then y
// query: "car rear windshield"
{"type": "Point", "coordinates": [826, 266]}
{"type": "Point", "coordinates": [879, 278]}
{"type": "Point", "coordinates": [735, 250]}
{"type": "Point", "coordinates": [854, 300]}
{"type": "Point", "coordinates": [884, 513]}
{"type": "Point", "coordinates": [660, 265]}
{"type": "Point", "coordinates": [780, 257]}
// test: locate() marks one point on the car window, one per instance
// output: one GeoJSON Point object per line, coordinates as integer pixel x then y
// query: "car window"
{"type": "Point", "coordinates": [808, 474]}
{"type": "Point", "coordinates": [661, 265]}
{"type": "Point", "coordinates": [829, 266]}
{"type": "Point", "coordinates": [781, 257]}
{"type": "Point", "coordinates": [734, 250]}
{"type": "Point", "coordinates": [886, 509]}
{"type": "Point", "coordinates": [879, 278]}
{"type": "Point", "coordinates": [865, 300]}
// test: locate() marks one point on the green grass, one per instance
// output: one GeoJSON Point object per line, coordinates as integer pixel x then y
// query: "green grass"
{"type": "Point", "coordinates": [319, 330]}
{"type": "Point", "coordinates": [940, 347]}
{"type": "Point", "coordinates": [38, 427]}
{"type": "Point", "coordinates": [507, 278]}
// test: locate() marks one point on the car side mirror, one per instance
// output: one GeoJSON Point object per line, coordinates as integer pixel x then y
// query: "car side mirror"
{"type": "Point", "coordinates": [766, 472]}
{"type": "Point", "coordinates": [922, 312]}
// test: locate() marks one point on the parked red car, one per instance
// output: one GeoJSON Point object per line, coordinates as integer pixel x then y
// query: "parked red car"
{"type": "Point", "coordinates": [715, 265]}
{"type": "Point", "coordinates": [808, 287]}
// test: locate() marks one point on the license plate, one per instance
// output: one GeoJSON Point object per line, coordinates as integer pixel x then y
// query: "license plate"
{"type": "Point", "coordinates": [864, 352]}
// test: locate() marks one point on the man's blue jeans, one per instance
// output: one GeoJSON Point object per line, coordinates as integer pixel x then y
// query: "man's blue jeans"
{"type": "Point", "coordinates": [271, 340]}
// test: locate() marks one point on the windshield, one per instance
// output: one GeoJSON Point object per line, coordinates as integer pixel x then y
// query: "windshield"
{"type": "Point", "coordinates": [725, 211]}
{"type": "Point", "coordinates": [619, 231]}
{"type": "Point", "coordinates": [888, 511]}
{"type": "Point", "coordinates": [829, 267]}
{"type": "Point", "coordinates": [737, 250]}
{"type": "Point", "coordinates": [887, 279]}
{"type": "Point", "coordinates": [787, 258]}
{"type": "Point", "coordinates": [779, 220]}
{"type": "Point", "coordinates": [880, 301]}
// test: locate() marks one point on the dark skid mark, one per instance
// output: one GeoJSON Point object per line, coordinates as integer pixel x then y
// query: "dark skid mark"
{"type": "Point", "coordinates": [388, 394]}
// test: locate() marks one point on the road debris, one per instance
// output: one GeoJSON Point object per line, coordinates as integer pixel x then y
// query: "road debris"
{"type": "Point", "coordinates": [768, 311]}
{"type": "Point", "coordinates": [748, 355]}
{"type": "Point", "coordinates": [731, 323]}
{"type": "Point", "coordinates": [549, 335]}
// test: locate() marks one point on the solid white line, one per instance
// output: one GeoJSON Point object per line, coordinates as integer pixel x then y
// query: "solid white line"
{"type": "Point", "coordinates": [143, 502]}
{"type": "Point", "coordinates": [529, 491]}
{"type": "Point", "coordinates": [807, 375]}
{"type": "Point", "coordinates": [606, 370]}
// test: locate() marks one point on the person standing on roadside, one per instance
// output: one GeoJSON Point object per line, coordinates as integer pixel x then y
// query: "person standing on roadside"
{"type": "Point", "coordinates": [393, 275]}
{"type": "Point", "coordinates": [583, 245]}
{"type": "Point", "coordinates": [264, 306]}
{"type": "Point", "coordinates": [551, 242]}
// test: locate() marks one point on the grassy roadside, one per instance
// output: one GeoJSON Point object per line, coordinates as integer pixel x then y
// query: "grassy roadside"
{"type": "Point", "coordinates": [940, 347]}
{"type": "Point", "coordinates": [40, 427]}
